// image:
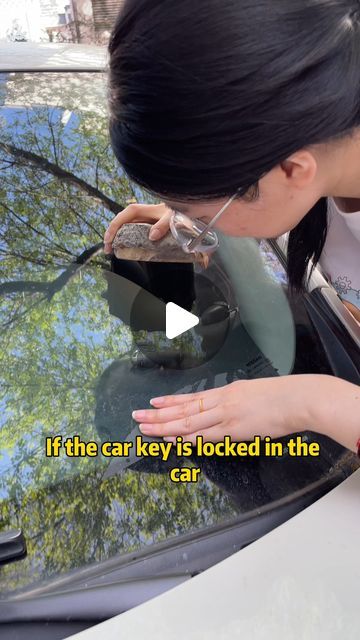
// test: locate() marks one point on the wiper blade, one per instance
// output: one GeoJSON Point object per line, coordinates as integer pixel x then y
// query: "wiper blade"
{"type": "Point", "coordinates": [12, 546]}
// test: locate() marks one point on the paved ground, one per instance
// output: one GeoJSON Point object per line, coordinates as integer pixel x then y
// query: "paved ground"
{"type": "Point", "coordinates": [26, 56]}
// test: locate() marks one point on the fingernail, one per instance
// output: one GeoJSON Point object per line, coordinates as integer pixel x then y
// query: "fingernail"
{"type": "Point", "coordinates": [138, 415]}
{"type": "Point", "coordinates": [144, 428]}
{"type": "Point", "coordinates": [155, 402]}
{"type": "Point", "coordinates": [154, 234]}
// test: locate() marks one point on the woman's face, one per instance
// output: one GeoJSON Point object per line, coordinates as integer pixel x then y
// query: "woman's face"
{"type": "Point", "coordinates": [286, 194]}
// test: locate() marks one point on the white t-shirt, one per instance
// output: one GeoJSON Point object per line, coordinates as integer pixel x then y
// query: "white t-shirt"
{"type": "Point", "coordinates": [340, 259]}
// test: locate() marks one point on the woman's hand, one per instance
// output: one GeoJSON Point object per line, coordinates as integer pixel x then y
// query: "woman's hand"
{"type": "Point", "coordinates": [266, 407]}
{"type": "Point", "coordinates": [157, 214]}
{"type": "Point", "coordinates": [241, 410]}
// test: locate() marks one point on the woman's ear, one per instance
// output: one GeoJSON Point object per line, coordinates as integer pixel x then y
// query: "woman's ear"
{"type": "Point", "coordinates": [299, 169]}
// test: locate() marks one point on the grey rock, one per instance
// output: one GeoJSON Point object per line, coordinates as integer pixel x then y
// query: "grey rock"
{"type": "Point", "coordinates": [132, 243]}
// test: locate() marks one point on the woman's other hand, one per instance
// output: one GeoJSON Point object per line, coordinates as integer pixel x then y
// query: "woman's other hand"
{"type": "Point", "coordinates": [157, 214]}
{"type": "Point", "coordinates": [263, 407]}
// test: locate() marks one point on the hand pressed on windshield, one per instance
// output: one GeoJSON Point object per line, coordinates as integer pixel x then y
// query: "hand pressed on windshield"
{"type": "Point", "coordinates": [266, 407]}
{"type": "Point", "coordinates": [232, 410]}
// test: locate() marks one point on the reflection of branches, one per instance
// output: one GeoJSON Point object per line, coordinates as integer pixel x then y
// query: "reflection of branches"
{"type": "Point", "coordinates": [62, 174]}
{"type": "Point", "coordinates": [52, 287]}
{"type": "Point", "coordinates": [15, 254]}
{"type": "Point", "coordinates": [32, 189]}
{"type": "Point", "coordinates": [52, 137]}
{"type": "Point", "coordinates": [87, 222]}
{"type": "Point", "coordinates": [15, 466]}
{"type": "Point", "coordinates": [30, 226]}
{"type": "Point", "coordinates": [9, 164]}
{"type": "Point", "coordinates": [23, 286]}
{"type": "Point", "coordinates": [73, 269]}
{"type": "Point", "coordinates": [34, 138]}
{"type": "Point", "coordinates": [22, 314]}
{"type": "Point", "coordinates": [132, 191]}
{"type": "Point", "coordinates": [42, 532]}
{"type": "Point", "coordinates": [49, 289]}
{"type": "Point", "coordinates": [97, 173]}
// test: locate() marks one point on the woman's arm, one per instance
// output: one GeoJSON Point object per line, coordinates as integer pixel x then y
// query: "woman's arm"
{"type": "Point", "coordinates": [266, 407]}
{"type": "Point", "coordinates": [355, 311]}
{"type": "Point", "coordinates": [335, 410]}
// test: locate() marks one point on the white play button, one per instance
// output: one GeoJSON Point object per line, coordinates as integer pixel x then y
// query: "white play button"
{"type": "Point", "coordinates": [178, 320]}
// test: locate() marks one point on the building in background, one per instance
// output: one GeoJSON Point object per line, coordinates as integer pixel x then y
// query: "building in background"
{"type": "Point", "coordinates": [105, 13]}
{"type": "Point", "coordinates": [92, 20]}
{"type": "Point", "coordinates": [20, 19]}
{"type": "Point", "coordinates": [82, 21]}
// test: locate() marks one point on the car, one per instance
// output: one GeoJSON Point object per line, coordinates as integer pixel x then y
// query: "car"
{"type": "Point", "coordinates": [298, 581]}
{"type": "Point", "coordinates": [86, 537]}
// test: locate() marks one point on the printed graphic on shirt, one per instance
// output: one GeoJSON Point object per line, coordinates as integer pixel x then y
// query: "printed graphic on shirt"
{"type": "Point", "coordinates": [343, 286]}
{"type": "Point", "coordinates": [340, 259]}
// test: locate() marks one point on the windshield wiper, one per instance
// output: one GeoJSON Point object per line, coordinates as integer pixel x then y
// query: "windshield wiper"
{"type": "Point", "coordinates": [12, 545]}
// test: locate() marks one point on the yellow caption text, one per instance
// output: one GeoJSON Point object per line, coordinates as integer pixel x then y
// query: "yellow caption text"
{"type": "Point", "coordinates": [76, 448]}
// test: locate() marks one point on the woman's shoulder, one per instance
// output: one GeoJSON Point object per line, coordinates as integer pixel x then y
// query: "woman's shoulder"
{"type": "Point", "coordinates": [342, 212]}
{"type": "Point", "coordinates": [340, 259]}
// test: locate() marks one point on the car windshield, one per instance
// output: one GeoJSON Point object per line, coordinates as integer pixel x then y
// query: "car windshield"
{"type": "Point", "coordinates": [70, 359]}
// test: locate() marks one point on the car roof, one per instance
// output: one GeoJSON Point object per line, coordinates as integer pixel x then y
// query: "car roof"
{"type": "Point", "coordinates": [32, 56]}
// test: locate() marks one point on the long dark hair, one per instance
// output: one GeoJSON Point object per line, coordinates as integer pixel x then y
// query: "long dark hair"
{"type": "Point", "coordinates": [205, 96]}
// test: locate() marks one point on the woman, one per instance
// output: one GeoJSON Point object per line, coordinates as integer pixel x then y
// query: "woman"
{"type": "Point", "coordinates": [255, 106]}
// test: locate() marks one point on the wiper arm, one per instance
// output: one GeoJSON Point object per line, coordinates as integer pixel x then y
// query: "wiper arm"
{"type": "Point", "coordinates": [12, 546]}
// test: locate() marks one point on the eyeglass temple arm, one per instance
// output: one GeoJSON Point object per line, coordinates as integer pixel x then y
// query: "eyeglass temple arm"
{"type": "Point", "coordinates": [195, 241]}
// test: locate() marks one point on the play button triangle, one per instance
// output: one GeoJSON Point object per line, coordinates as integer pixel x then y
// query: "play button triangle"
{"type": "Point", "coordinates": [178, 320]}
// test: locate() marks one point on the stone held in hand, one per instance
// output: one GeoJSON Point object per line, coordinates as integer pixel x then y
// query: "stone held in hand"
{"type": "Point", "coordinates": [132, 243]}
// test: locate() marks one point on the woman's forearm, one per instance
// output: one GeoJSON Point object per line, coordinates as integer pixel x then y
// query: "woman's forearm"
{"type": "Point", "coordinates": [334, 410]}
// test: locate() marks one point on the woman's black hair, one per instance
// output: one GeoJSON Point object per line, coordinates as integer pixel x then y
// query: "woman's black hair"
{"type": "Point", "coordinates": [210, 95]}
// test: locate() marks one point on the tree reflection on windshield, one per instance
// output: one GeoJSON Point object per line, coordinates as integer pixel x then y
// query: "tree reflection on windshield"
{"type": "Point", "coordinates": [60, 186]}
{"type": "Point", "coordinates": [67, 355]}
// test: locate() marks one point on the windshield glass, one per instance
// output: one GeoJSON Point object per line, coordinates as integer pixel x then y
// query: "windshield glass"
{"type": "Point", "coordinates": [70, 362]}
